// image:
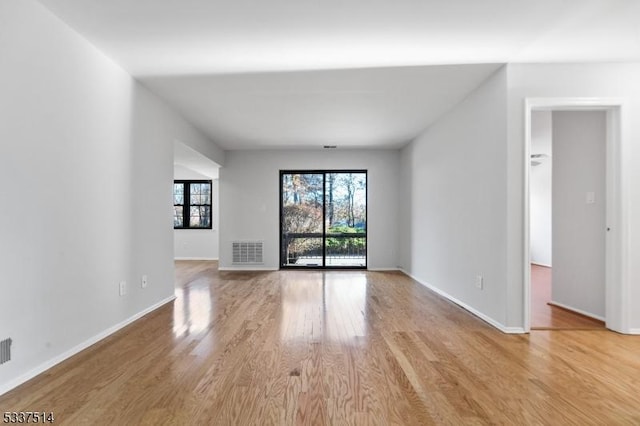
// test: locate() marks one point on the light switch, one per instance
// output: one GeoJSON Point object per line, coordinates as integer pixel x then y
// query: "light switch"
{"type": "Point", "coordinates": [591, 197]}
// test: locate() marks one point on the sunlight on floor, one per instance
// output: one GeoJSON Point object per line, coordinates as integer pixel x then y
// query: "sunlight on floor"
{"type": "Point", "coordinates": [329, 306]}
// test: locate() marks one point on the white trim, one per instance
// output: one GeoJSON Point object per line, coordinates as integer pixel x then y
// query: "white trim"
{"type": "Point", "coordinates": [616, 316]}
{"type": "Point", "coordinates": [526, 240]}
{"type": "Point", "coordinates": [541, 264]}
{"type": "Point", "coordinates": [246, 268]}
{"type": "Point", "coordinates": [634, 331]}
{"type": "Point", "coordinates": [195, 258]}
{"type": "Point", "coordinates": [485, 318]}
{"type": "Point", "coordinates": [579, 311]}
{"type": "Point", "coordinates": [573, 104]}
{"type": "Point", "coordinates": [6, 387]}
{"type": "Point", "coordinates": [385, 269]}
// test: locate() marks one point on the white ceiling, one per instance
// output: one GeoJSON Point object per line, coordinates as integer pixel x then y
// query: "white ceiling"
{"type": "Point", "coordinates": [383, 107]}
{"type": "Point", "coordinates": [305, 72]}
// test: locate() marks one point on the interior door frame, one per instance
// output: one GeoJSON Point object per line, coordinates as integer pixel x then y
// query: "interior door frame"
{"type": "Point", "coordinates": [616, 252]}
{"type": "Point", "coordinates": [324, 212]}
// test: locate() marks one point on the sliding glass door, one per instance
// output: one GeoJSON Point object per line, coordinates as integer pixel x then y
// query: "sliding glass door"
{"type": "Point", "coordinates": [323, 219]}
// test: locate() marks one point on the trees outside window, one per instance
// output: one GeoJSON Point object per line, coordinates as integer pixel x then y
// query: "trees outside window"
{"type": "Point", "coordinates": [323, 218]}
{"type": "Point", "coordinates": [192, 204]}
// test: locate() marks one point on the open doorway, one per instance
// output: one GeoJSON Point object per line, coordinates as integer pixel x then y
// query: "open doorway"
{"type": "Point", "coordinates": [567, 219]}
{"type": "Point", "coordinates": [195, 206]}
{"type": "Point", "coordinates": [572, 203]}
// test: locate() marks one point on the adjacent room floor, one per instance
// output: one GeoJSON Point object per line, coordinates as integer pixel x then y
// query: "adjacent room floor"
{"type": "Point", "coordinates": [333, 347]}
{"type": "Point", "coordinates": [548, 317]}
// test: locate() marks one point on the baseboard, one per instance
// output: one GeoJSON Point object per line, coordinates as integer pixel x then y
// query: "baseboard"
{"type": "Point", "coordinates": [576, 310]}
{"type": "Point", "coordinates": [246, 268]}
{"type": "Point", "coordinates": [634, 331]}
{"type": "Point", "coordinates": [484, 317]}
{"type": "Point", "coordinates": [384, 269]}
{"type": "Point", "coordinates": [195, 258]}
{"type": "Point", "coordinates": [540, 264]}
{"type": "Point", "coordinates": [4, 388]}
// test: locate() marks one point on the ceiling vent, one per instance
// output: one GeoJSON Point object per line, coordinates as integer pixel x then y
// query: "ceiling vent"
{"type": "Point", "coordinates": [330, 146]}
{"type": "Point", "coordinates": [247, 252]}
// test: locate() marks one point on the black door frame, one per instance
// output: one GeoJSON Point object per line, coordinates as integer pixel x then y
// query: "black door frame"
{"type": "Point", "coordinates": [324, 172]}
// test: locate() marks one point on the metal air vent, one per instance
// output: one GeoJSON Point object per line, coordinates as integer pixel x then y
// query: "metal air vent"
{"type": "Point", "coordinates": [5, 350]}
{"type": "Point", "coordinates": [247, 252]}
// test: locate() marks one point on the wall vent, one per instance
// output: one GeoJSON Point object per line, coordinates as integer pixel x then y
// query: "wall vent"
{"type": "Point", "coordinates": [5, 350]}
{"type": "Point", "coordinates": [247, 252]}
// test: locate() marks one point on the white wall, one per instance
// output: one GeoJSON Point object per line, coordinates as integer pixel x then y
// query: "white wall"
{"type": "Point", "coordinates": [249, 198]}
{"type": "Point", "coordinates": [575, 80]}
{"type": "Point", "coordinates": [579, 146]}
{"type": "Point", "coordinates": [86, 157]}
{"type": "Point", "coordinates": [540, 189]}
{"type": "Point", "coordinates": [454, 181]}
{"type": "Point", "coordinates": [197, 243]}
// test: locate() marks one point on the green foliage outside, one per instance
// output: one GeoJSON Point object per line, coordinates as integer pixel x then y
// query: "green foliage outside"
{"type": "Point", "coordinates": [345, 245]}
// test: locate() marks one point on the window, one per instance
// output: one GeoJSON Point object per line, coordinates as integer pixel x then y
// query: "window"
{"type": "Point", "coordinates": [191, 204]}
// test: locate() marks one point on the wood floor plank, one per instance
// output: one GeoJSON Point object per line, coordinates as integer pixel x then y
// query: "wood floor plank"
{"type": "Point", "coordinates": [335, 348]}
{"type": "Point", "coordinates": [547, 316]}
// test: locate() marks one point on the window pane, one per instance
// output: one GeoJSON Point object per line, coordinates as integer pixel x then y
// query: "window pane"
{"type": "Point", "coordinates": [200, 194]}
{"type": "Point", "coordinates": [178, 193]}
{"type": "Point", "coordinates": [178, 221]}
{"type": "Point", "coordinates": [199, 217]}
{"type": "Point", "coordinates": [205, 198]}
{"type": "Point", "coordinates": [206, 193]}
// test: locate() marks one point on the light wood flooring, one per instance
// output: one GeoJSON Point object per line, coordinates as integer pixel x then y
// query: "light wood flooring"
{"type": "Point", "coordinates": [545, 316]}
{"type": "Point", "coordinates": [347, 347]}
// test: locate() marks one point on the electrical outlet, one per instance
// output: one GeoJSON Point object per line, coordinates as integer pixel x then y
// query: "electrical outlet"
{"type": "Point", "coordinates": [144, 282]}
{"type": "Point", "coordinates": [123, 288]}
{"type": "Point", "coordinates": [479, 282]}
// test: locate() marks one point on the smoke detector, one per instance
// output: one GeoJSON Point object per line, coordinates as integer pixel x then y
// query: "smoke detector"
{"type": "Point", "coordinates": [537, 159]}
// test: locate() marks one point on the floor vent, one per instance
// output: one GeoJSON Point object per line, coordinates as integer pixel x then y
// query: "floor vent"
{"type": "Point", "coordinates": [247, 252]}
{"type": "Point", "coordinates": [5, 351]}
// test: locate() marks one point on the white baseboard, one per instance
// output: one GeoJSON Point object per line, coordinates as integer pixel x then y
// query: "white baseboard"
{"type": "Point", "coordinates": [246, 268]}
{"type": "Point", "coordinates": [195, 258]}
{"type": "Point", "coordinates": [384, 269]}
{"type": "Point", "coordinates": [6, 387]}
{"type": "Point", "coordinates": [634, 331]}
{"type": "Point", "coordinates": [579, 311]}
{"type": "Point", "coordinates": [485, 318]}
{"type": "Point", "coordinates": [541, 264]}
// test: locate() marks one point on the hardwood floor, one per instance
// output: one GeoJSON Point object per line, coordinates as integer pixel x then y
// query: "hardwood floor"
{"type": "Point", "coordinates": [352, 347]}
{"type": "Point", "coordinates": [545, 316]}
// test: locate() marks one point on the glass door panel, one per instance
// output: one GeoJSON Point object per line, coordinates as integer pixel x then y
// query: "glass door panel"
{"type": "Point", "coordinates": [346, 219]}
{"type": "Point", "coordinates": [302, 219]}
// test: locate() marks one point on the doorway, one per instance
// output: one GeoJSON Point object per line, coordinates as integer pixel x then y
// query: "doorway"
{"type": "Point", "coordinates": [323, 219]}
{"type": "Point", "coordinates": [582, 267]}
{"type": "Point", "coordinates": [567, 219]}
